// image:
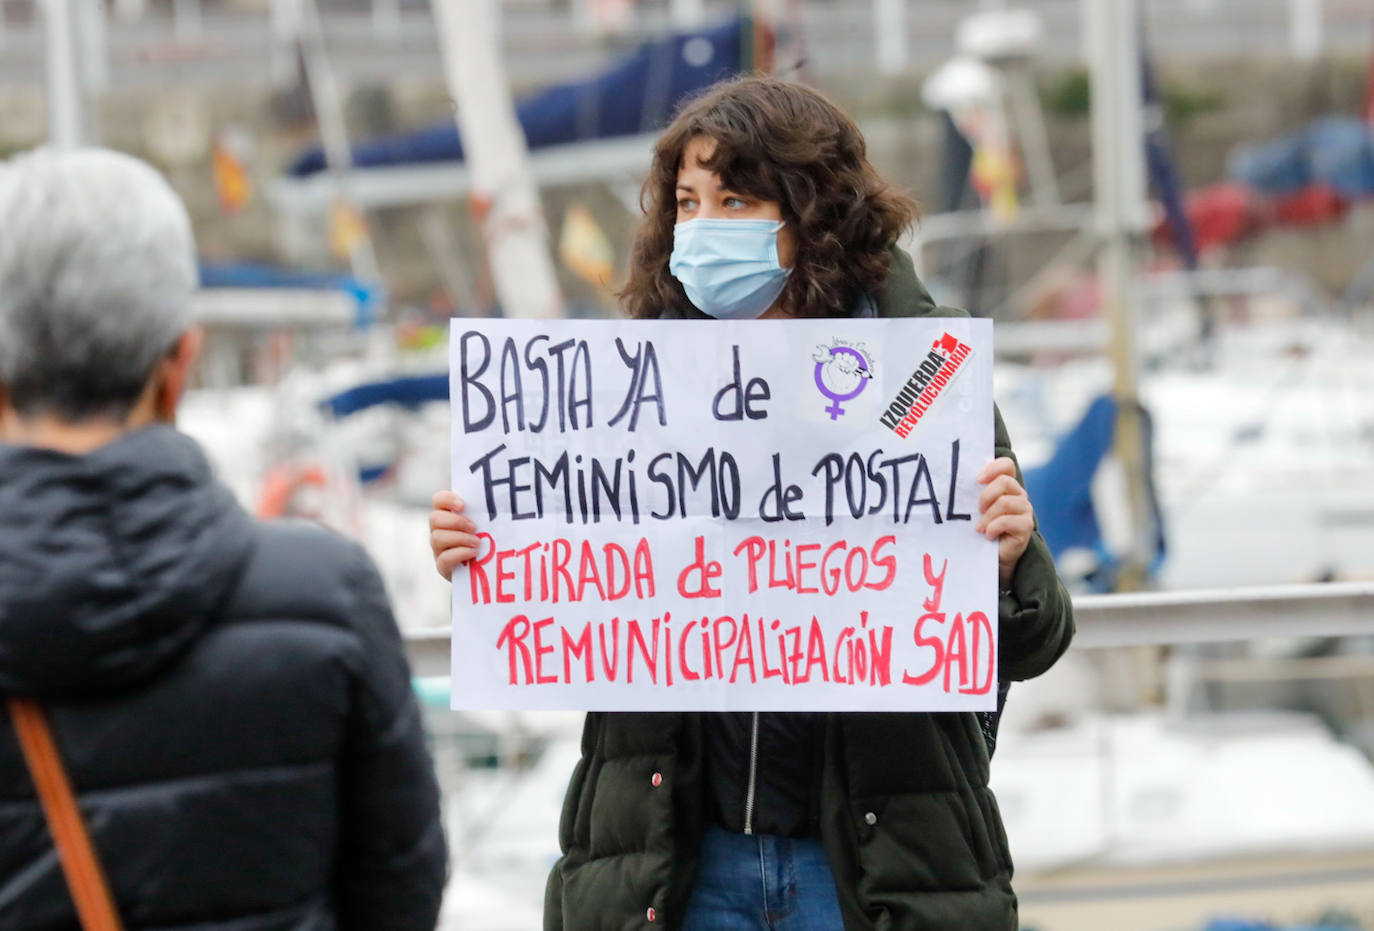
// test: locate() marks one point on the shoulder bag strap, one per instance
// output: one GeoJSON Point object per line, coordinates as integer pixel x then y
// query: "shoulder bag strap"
{"type": "Point", "coordinates": [85, 878]}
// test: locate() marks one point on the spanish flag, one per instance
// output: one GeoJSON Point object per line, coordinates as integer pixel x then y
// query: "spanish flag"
{"type": "Point", "coordinates": [232, 185]}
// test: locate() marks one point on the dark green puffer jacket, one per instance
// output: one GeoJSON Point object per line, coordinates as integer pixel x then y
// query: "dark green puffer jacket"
{"type": "Point", "coordinates": [911, 828]}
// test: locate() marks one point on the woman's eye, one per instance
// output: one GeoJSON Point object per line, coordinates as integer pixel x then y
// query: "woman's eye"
{"type": "Point", "coordinates": [735, 203]}
{"type": "Point", "coordinates": [686, 204]}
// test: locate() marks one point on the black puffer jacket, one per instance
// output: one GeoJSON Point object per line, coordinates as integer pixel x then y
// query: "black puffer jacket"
{"type": "Point", "coordinates": [231, 700]}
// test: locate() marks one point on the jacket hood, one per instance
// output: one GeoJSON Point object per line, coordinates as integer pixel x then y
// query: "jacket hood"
{"type": "Point", "coordinates": [112, 563]}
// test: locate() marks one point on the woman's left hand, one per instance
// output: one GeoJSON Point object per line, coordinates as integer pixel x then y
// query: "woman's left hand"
{"type": "Point", "coordinates": [1006, 515]}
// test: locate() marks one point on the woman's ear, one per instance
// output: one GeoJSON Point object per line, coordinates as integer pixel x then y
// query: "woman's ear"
{"type": "Point", "coordinates": [176, 373]}
{"type": "Point", "coordinates": [5, 413]}
{"type": "Point", "coordinates": [787, 245]}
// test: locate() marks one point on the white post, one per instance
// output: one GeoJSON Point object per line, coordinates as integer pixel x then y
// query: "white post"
{"type": "Point", "coordinates": [328, 103]}
{"type": "Point", "coordinates": [1305, 19]}
{"type": "Point", "coordinates": [64, 88]}
{"type": "Point", "coordinates": [93, 41]}
{"type": "Point", "coordinates": [93, 61]}
{"type": "Point", "coordinates": [494, 148]}
{"type": "Point", "coordinates": [1118, 127]}
{"type": "Point", "coordinates": [1122, 219]}
{"type": "Point", "coordinates": [890, 35]}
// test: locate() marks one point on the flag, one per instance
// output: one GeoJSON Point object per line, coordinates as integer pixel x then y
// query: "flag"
{"type": "Point", "coordinates": [584, 248]}
{"type": "Point", "coordinates": [347, 228]}
{"type": "Point", "coordinates": [233, 187]}
{"type": "Point", "coordinates": [993, 173]}
{"type": "Point", "coordinates": [1159, 162]}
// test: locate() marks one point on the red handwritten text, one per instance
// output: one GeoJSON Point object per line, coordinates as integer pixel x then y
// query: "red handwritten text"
{"type": "Point", "coordinates": [965, 644]}
{"type": "Point", "coordinates": [813, 568]}
{"type": "Point", "coordinates": [548, 572]}
{"type": "Point", "coordinates": [734, 649]}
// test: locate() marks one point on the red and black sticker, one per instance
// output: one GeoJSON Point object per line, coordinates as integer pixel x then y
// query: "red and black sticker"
{"type": "Point", "coordinates": [940, 366]}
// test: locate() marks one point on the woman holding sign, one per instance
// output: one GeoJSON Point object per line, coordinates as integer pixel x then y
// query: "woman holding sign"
{"type": "Point", "coordinates": [761, 203]}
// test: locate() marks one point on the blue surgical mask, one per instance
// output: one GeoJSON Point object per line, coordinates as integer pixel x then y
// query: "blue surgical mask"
{"type": "Point", "coordinates": [729, 268]}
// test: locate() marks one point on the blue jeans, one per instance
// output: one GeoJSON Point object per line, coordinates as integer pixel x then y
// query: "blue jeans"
{"type": "Point", "coordinates": [759, 882]}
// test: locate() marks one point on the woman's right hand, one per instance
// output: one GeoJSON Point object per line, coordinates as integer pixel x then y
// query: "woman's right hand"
{"type": "Point", "coordinates": [452, 534]}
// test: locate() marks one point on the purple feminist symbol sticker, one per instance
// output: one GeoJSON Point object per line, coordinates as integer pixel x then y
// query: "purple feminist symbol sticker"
{"type": "Point", "coordinates": [842, 373]}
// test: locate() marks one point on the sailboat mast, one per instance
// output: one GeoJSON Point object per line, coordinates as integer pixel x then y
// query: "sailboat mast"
{"type": "Point", "coordinates": [505, 197]}
{"type": "Point", "coordinates": [1122, 218]}
{"type": "Point", "coordinates": [327, 99]}
{"type": "Point", "coordinates": [65, 111]}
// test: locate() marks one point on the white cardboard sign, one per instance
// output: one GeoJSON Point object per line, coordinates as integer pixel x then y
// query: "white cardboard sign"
{"type": "Point", "coordinates": [753, 515]}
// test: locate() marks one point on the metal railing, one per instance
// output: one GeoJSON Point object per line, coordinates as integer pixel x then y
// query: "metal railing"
{"type": "Point", "coordinates": [1089, 891]}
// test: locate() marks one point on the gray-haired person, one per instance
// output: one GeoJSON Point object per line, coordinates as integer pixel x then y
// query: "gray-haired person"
{"type": "Point", "coordinates": [230, 698]}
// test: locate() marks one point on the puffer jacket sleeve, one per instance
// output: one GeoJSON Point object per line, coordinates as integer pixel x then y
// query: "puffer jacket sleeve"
{"type": "Point", "coordinates": [394, 858]}
{"type": "Point", "coordinates": [1035, 614]}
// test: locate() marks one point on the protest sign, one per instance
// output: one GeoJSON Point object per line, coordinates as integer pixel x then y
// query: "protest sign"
{"type": "Point", "coordinates": [751, 515]}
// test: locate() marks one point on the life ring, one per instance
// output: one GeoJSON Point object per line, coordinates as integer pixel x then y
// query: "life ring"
{"type": "Point", "coordinates": [283, 483]}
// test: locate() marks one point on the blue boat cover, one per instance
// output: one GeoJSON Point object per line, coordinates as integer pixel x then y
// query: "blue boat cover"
{"type": "Point", "coordinates": [1061, 491]}
{"type": "Point", "coordinates": [638, 95]}
{"type": "Point", "coordinates": [407, 391]}
{"type": "Point", "coordinates": [1335, 152]}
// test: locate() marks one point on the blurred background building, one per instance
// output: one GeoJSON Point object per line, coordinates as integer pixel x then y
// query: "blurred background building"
{"type": "Point", "coordinates": [1167, 205]}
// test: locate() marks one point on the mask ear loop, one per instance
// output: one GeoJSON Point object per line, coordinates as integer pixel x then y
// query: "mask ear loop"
{"type": "Point", "coordinates": [777, 255]}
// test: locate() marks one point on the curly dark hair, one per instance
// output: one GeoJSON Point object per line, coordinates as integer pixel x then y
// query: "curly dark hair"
{"type": "Point", "coordinates": [784, 142]}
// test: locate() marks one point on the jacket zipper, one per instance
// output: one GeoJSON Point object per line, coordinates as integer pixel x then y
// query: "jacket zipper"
{"type": "Point", "coordinates": [753, 773]}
